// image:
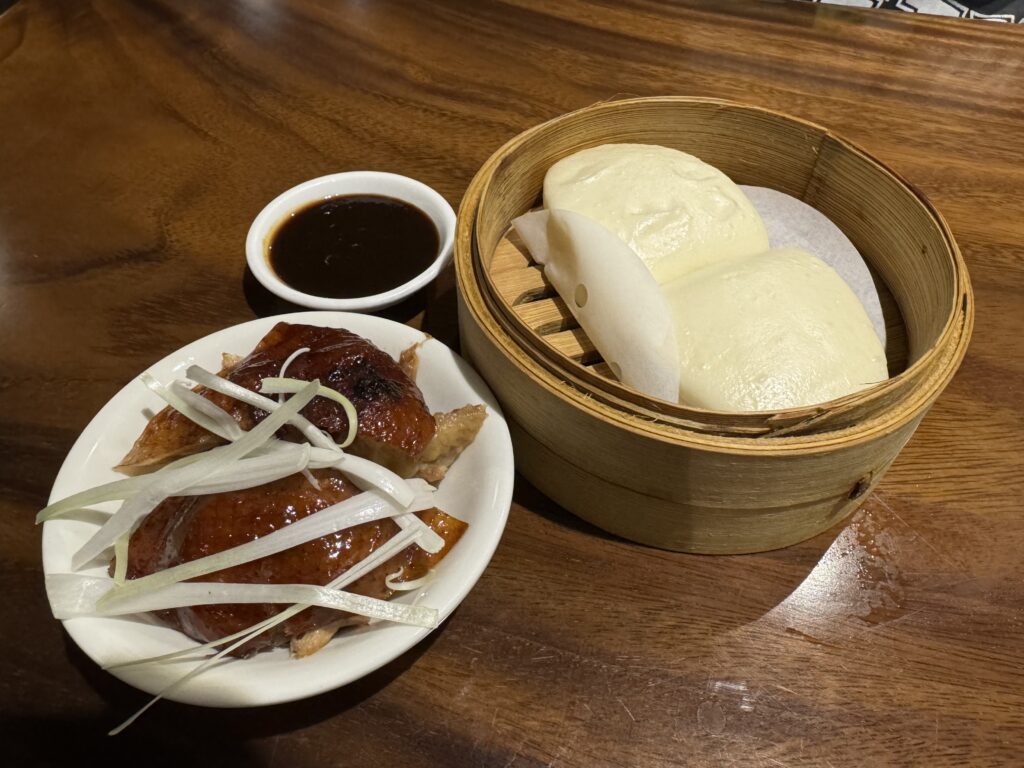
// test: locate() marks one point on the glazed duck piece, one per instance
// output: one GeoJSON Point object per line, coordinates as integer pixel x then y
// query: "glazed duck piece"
{"type": "Point", "coordinates": [182, 529]}
{"type": "Point", "coordinates": [395, 427]}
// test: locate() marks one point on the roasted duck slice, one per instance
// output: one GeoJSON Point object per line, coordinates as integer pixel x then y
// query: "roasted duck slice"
{"type": "Point", "coordinates": [454, 431]}
{"type": "Point", "coordinates": [182, 529]}
{"type": "Point", "coordinates": [395, 427]}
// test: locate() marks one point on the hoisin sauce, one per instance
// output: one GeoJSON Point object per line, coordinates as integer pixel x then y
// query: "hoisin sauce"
{"type": "Point", "coordinates": [352, 245]}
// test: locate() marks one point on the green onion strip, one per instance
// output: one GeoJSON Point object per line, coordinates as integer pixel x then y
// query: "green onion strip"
{"type": "Point", "coordinates": [121, 559]}
{"type": "Point", "coordinates": [73, 595]}
{"type": "Point", "coordinates": [281, 460]}
{"type": "Point", "coordinates": [275, 385]}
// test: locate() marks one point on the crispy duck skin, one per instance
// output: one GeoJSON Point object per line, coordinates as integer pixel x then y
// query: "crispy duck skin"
{"type": "Point", "coordinates": [182, 529]}
{"type": "Point", "coordinates": [395, 426]}
{"type": "Point", "coordinates": [395, 429]}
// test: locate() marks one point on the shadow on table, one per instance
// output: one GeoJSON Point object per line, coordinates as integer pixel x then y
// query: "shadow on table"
{"type": "Point", "coordinates": [727, 591]}
{"type": "Point", "coordinates": [173, 734]}
{"type": "Point", "coordinates": [264, 303]}
{"type": "Point", "coordinates": [433, 308]}
{"type": "Point", "coordinates": [527, 495]}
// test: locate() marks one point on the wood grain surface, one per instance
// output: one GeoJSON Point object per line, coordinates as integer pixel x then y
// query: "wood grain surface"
{"type": "Point", "coordinates": [139, 139]}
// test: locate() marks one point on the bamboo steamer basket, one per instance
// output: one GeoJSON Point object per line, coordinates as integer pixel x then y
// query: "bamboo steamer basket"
{"type": "Point", "coordinates": [683, 478]}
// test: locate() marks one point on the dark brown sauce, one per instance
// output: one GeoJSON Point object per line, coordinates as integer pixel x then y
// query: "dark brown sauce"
{"type": "Point", "coordinates": [352, 245]}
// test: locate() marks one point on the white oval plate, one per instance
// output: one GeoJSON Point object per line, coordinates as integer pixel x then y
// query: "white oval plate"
{"type": "Point", "coordinates": [477, 490]}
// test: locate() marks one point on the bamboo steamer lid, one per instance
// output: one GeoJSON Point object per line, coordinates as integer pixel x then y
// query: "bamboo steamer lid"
{"type": "Point", "coordinates": [678, 477]}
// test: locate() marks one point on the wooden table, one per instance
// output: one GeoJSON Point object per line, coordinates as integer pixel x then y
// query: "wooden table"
{"type": "Point", "coordinates": [137, 142]}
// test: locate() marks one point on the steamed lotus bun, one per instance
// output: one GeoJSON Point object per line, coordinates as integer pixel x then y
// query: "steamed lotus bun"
{"type": "Point", "coordinates": [777, 330]}
{"type": "Point", "coordinates": [675, 211]}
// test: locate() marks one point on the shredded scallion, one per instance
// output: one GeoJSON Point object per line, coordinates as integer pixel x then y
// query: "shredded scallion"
{"type": "Point", "coordinates": [288, 361]}
{"type": "Point", "coordinates": [138, 506]}
{"type": "Point", "coordinates": [312, 433]}
{"type": "Point", "coordinates": [72, 596]}
{"type": "Point", "coordinates": [363, 508]}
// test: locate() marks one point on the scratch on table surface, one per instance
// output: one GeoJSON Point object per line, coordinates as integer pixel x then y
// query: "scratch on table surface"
{"type": "Point", "coordinates": [273, 750]}
{"type": "Point", "coordinates": [516, 753]}
{"type": "Point", "coordinates": [898, 619]}
{"type": "Point", "coordinates": [808, 638]}
{"type": "Point", "coordinates": [627, 709]}
{"type": "Point", "coordinates": [566, 737]}
{"type": "Point", "coordinates": [917, 534]}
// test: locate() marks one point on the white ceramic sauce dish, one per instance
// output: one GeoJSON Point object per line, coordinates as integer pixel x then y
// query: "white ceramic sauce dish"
{"type": "Point", "coordinates": [349, 183]}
